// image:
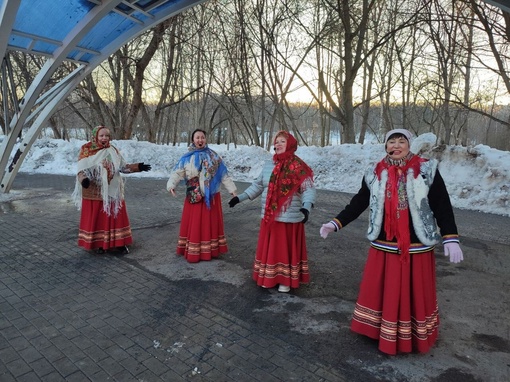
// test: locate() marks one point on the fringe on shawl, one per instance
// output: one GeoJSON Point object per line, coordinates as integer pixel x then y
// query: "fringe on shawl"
{"type": "Point", "coordinates": [111, 195]}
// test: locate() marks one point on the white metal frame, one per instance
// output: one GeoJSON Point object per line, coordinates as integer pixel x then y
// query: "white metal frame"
{"type": "Point", "coordinates": [37, 107]}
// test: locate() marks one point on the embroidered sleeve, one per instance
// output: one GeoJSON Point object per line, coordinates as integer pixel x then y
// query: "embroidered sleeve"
{"type": "Point", "coordinates": [450, 239]}
{"type": "Point", "coordinates": [129, 168]}
{"type": "Point", "coordinates": [337, 224]}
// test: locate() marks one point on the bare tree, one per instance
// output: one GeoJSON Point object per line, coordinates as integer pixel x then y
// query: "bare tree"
{"type": "Point", "coordinates": [490, 21]}
{"type": "Point", "coordinates": [230, 68]}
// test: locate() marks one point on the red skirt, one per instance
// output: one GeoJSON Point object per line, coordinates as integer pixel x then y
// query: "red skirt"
{"type": "Point", "coordinates": [202, 234]}
{"type": "Point", "coordinates": [397, 302]}
{"type": "Point", "coordinates": [281, 256]}
{"type": "Point", "coordinates": [98, 230]}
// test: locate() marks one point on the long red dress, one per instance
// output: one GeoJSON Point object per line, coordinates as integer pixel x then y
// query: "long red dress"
{"type": "Point", "coordinates": [99, 230]}
{"type": "Point", "coordinates": [281, 256]}
{"type": "Point", "coordinates": [201, 234]}
{"type": "Point", "coordinates": [403, 316]}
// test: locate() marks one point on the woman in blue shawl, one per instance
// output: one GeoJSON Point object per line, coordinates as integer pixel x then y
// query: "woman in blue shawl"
{"type": "Point", "coordinates": [202, 234]}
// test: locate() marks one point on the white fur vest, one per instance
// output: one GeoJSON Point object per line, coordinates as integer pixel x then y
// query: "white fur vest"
{"type": "Point", "coordinates": [417, 190]}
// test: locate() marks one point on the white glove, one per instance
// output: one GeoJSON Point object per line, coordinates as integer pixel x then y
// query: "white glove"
{"type": "Point", "coordinates": [453, 250]}
{"type": "Point", "coordinates": [326, 229]}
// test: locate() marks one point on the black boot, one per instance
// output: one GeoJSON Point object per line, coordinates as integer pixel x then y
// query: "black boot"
{"type": "Point", "coordinates": [100, 251]}
{"type": "Point", "coordinates": [123, 250]}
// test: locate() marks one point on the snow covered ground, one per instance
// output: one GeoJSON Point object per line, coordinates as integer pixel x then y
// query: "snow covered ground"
{"type": "Point", "coordinates": [478, 178]}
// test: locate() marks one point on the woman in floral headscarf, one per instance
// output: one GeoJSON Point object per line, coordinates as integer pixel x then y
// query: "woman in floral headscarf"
{"type": "Point", "coordinates": [410, 212]}
{"type": "Point", "coordinates": [99, 190]}
{"type": "Point", "coordinates": [288, 195]}
{"type": "Point", "coordinates": [201, 234]}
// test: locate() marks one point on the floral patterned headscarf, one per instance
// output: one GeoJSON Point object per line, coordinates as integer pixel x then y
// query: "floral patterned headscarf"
{"type": "Point", "coordinates": [290, 174]}
{"type": "Point", "coordinates": [92, 147]}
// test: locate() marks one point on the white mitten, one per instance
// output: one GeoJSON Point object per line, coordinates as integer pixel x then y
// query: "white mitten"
{"type": "Point", "coordinates": [453, 250]}
{"type": "Point", "coordinates": [326, 229]}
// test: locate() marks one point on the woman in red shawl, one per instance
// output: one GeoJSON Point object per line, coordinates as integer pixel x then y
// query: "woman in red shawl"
{"type": "Point", "coordinates": [410, 212]}
{"type": "Point", "coordinates": [288, 195]}
{"type": "Point", "coordinates": [104, 222]}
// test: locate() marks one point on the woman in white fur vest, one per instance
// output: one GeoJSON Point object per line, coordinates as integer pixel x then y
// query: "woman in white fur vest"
{"type": "Point", "coordinates": [410, 212]}
{"type": "Point", "coordinates": [288, 195]}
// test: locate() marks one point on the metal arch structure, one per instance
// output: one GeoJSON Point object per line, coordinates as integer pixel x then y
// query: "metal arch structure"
{"type": "Point", "coordinates": [503, 4]}
{"type": "Point", "coordinates": [83, 31]}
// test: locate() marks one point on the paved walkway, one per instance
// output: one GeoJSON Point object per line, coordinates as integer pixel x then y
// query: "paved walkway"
{"type": "Point", "coordinates": [70, 315]}
{"type": "Point", "coordinates": [66, 315]}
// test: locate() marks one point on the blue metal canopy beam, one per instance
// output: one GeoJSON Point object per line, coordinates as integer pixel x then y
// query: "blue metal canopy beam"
{"type": "Point", "coordinates": [82, 31]}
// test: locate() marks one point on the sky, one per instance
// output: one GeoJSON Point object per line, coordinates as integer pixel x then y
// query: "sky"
{"type": "Point", "coordinates": [477, 178]}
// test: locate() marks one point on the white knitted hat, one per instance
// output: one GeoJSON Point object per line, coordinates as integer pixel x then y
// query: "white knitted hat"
{"type": "Point", "coordinates": [404, 132]}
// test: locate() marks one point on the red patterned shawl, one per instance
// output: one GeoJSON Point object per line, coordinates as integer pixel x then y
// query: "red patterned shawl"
{"type": "Point", "coordinates": [290, 173]}
{"type": "Point", "coordinates": [396, 206]}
